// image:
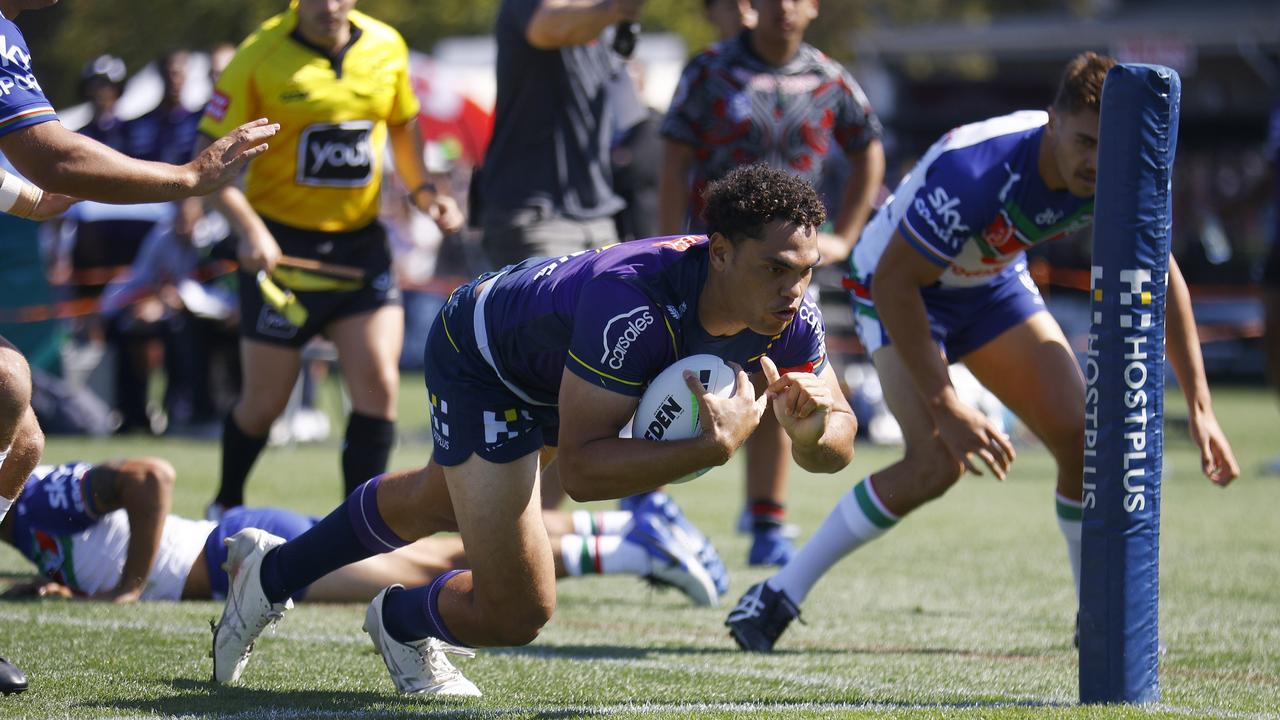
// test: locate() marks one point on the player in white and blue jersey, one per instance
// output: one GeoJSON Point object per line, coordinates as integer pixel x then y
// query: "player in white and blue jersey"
{"type": "Point", "coordinates": [939, 276]}
{"type": "Point", "coordinates": [557, 352]}
{"type": "Point", "coordinates": [103, 531]}
{"type": "Point", "coordinates": [68, 164]}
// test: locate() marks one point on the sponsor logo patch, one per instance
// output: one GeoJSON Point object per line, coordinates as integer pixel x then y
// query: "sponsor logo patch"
{"type": "Point", "coordinates": [217, 107]}
{"type": "Point", "coordinates": [621, 332]}
{"type": "Point", "coordinates": [272, 324]}
{"type": "Point", "coordinates": [336, 155]}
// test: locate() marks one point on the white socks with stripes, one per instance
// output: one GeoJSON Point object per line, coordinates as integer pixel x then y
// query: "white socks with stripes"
{"type": "Point", "coordinates": [1070, 514]}
{"type": "Point", "coordinates": [857, 519]}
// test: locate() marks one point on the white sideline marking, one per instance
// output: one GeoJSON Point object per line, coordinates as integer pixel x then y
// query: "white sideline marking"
{"type": "Point", "coordinates": [566, 654]}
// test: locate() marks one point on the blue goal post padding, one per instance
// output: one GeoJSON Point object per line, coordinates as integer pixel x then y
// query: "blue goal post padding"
{"type": "Point", "coordinates": [1124, 375]}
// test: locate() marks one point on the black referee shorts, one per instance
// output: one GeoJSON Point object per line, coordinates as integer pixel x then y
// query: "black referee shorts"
{"type": "Point", "coordinates": [366, 248]}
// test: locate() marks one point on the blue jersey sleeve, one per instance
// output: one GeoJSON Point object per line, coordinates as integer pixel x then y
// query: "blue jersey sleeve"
{"type": "Point", "coordinates": [58, 501]}
{"type": "Point", "coordinates": [22, 101]}
{"type": "Point", "coordinates": [802, 346]}
{"type": "Point", "coordinates": [620, 338]}
{"type": "Point", "coordinates": [951, 205]}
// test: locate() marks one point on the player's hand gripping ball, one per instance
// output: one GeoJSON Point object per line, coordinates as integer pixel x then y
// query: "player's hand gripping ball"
{"type": "Point", "coordinates": [669, 411]}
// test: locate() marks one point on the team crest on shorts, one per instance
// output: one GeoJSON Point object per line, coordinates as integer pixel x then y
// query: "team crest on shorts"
{"type": "Point", "coordinates": [272, 324]}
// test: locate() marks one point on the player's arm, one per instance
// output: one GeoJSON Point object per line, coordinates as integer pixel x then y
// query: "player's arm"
{"type": "Point", "coordinates": [596, 464]}
{"type": "Point", "coordinates": [69, 163]}
{"type": "Point", "coordinates": [406, 150]}
{"type": "Point", "coordinates": [1182, 343]}
{"type": "Point", "coordinates": [144, 489]}
{"type": "Point", "coordinates": [564, 23]}
{"type": "Point", "coordinates": [813, 411]}
{"type": "Point", "coordinates": [865, 177]}
{"type": "Point", "coordinates": [900, 274]}
{"type": "Point", "coordinates": [22, 199]}
{"type": "Point", "coordinates": [673, 187]}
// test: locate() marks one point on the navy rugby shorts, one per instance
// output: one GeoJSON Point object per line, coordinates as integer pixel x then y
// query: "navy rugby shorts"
{"type": "Point", "coordinates": [283, 523]}
{"type": "Point", "coordinates": [961, 320]}
{"type": "Point", "coordinates": [472, 410]}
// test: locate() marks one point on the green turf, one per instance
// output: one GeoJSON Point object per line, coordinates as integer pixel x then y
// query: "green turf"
{"type": "Point", "coordinates": [963, 611]}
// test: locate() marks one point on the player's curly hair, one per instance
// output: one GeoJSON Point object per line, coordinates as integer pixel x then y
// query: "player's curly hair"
{"type": "Point", "coordinates": [741, 203]}
{"type": "Point", "coordinates": [1081, 85]}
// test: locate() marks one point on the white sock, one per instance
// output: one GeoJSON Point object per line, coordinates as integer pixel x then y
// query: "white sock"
{"type": "Point", "coordinates": [604, 522]}
{"type": "Point", "coordinates": [857, 519]}
{"type": "Point", "coordinates": [603, 554]}
{"type": "Point", "coordinates": [5, 504]}
{"type": "Point", "coordinates": [1070, 522]}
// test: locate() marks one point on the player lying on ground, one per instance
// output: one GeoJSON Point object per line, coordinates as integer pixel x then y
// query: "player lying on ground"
{"type": "Point", "coordinates": [585, 333]}
{"type": "Point", "coordinates": [940, 276]}
{"type": "Point", "coordinates": [104, 532]}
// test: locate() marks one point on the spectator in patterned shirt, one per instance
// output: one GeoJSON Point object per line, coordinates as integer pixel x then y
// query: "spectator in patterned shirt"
{"type": "Point", "coordinates": [767, 96]}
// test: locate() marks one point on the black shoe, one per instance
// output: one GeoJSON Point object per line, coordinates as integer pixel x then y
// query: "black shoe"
{"type": "Point", "coordinates": [12, 680]}
{"type": "Point", "coordinates": [760, 618]}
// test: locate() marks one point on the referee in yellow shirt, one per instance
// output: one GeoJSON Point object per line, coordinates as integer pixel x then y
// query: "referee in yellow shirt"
{"type": "Point", "coordinates": [337, 81]}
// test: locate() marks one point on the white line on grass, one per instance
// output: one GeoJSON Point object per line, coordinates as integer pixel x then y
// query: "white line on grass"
{"type": "Point", "coordinates": [686, 709]}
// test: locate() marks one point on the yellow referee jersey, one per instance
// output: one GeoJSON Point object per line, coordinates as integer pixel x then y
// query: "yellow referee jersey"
{"type": "Point", "coordinates": [324, 166]}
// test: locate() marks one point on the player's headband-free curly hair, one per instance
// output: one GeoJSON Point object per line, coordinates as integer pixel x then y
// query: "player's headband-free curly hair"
{"type": "Point", "coordinates": [1081, 84]}
{"type": "Point", "coordinates": [741, 203]}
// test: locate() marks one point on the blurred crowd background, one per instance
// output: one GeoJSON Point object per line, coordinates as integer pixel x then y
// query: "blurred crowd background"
{"type": "Point", "coordinates": [128, 314]}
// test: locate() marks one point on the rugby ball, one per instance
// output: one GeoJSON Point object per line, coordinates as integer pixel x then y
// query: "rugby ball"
{"type": "Point", "coordinates": [668, 410]}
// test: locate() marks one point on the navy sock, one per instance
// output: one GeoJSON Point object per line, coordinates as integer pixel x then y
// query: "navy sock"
{"type": "Point", "coordinates": [414, 614]}
{"type": "Point", "coordinates": [366, 448]}
{"type": "Point", "coordinates": [239, 452]}
{"type": "Point", "coordinates": [352, 532]}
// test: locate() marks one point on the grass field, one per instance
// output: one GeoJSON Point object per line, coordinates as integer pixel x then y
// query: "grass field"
{"type": "Point", "coordinates": [963, 611]}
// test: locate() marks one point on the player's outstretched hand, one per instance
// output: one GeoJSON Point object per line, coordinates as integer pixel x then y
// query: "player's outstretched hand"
{"type": "Point", "coordinates": [225, 157]}
{"type": "Point", "coordinates": [728, 421]}
{"type": "Point", "coordinates": [800, 401]}
{"type": "Point", "coordinates": [967, 433]}
{"type": "Point", "coordinates": [1216, 458]}
{"type": "Point", "coordinates": [445, 211]}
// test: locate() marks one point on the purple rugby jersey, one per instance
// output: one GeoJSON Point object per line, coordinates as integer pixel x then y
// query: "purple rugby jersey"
{"type": "Point", "coordinates": [618, 316]}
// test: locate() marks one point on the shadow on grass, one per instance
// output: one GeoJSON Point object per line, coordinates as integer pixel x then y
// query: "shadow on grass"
{"type": "Point", "coordinates": [202, 699]}
{"type": "Point", "coordinates": [205, 699]}
{"type": "Point", "coordinates": [632, 652]}
{"type": "Point", "coordinates": [610, 652]}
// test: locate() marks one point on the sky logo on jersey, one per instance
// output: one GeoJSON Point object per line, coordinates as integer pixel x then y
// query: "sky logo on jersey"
{"type": "Point", "coordinates": [621, 332]}
{"type": "Point", "coordinates": [13, 54]}
{"type": "Point", "coordinates": [336, 154]}
{"type": "Point", "coordinates": [945, 217]}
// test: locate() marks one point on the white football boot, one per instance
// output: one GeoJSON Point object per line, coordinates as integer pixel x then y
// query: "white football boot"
{"type": "Point", "coordinates": [247, 612]}
{"type": "Point", "coordinates": [419, 667]}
